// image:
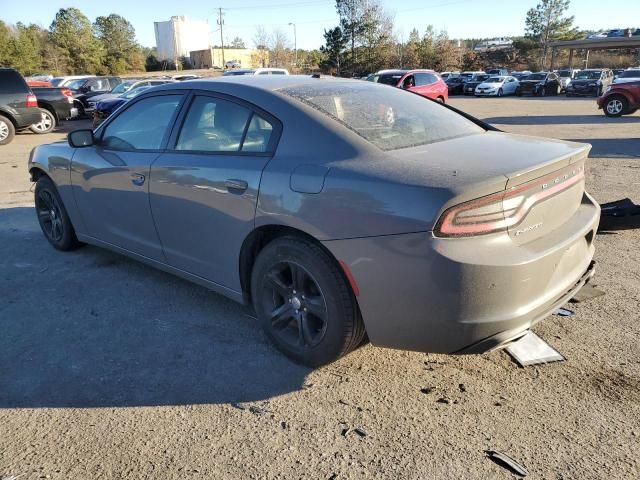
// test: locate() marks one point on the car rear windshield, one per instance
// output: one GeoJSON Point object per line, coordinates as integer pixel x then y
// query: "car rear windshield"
{"type": "Point", "coordinates": [389, 118]}
{"type": "Point", "coordinates": [12, 82]}
{"type": "Point", "coordinates": [630, 74]}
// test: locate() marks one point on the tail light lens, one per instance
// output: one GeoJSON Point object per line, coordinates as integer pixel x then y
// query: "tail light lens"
{"type": "Point", "coordinates": [500, 211]}
{"type": "Point", "coordinates": [67, 93]}
{"type": "Point", "coordinates": [32, 101]}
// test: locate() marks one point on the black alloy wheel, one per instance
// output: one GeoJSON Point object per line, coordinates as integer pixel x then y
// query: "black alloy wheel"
{"type": "Point", "coordinates": [304, 302]}
{"type": "Point", "coordinates": [52, 216]}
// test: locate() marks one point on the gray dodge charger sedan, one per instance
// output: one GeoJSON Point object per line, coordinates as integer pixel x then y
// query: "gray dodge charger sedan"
{"type": "Point", "coordinates": [339, 209]}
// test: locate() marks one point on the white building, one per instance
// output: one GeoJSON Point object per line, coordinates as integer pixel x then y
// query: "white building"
{"type": "Point", "coordinates": [179, 36]}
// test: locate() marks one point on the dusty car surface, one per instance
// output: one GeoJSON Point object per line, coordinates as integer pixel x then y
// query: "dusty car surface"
{"type": "Point", "coordinates": [294, 194]}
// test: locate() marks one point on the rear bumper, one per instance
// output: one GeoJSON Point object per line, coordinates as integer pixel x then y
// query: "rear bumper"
{"type": "Point", "coordinates": [25, 117]}
{"type": "Point", "coordinates": [422, 293]}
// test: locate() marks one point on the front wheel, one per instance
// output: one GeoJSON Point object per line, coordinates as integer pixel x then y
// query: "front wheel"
{"type": "Point", "coordinates": [304, 302]}
{"type": "Point", "coordinates": [46, 124]}
{"type": "Point", "coordinates": [52, 216]}
{"type": "Point", "coordinates": [500, 92]}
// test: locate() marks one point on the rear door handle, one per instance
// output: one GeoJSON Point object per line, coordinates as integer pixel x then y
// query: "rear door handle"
{"type": "Point", "coordinates": [237, 186]}
{"type": "Point", "coordinates": [137, 179]}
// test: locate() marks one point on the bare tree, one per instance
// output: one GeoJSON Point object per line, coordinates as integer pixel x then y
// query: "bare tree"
{"type": "Point", "coordinates": [261, 43]}
{"type": "Point", "coordinates": [278, 48]}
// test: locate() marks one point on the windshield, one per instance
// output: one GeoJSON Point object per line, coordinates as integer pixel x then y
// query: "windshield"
{"type": "Point", "coordinates": [481, 78]}
{"type": "Point", "coordinates": [495, 80]}
{"type": "Point", "coordinates": [389, 118]}
{"type": "Point", "coordinates": [386, 78]}
{"type": "Point", "coordinates": [237, 72]}
{"type": "Point", "coordinates": [122, 87]}
{"type": "Point", "coordinates": [537, 76]}
{"type": "Point", "coordinates": [56, 81]}
{"type": "Point", "coordinates": [76, 84]}
{"type": "Point", "coordinates": [585, 75]}
{"type": "Point", "coordinates": [564, 73]}
{"type": "Point", "coordinates": [455, 80]}
{"type": "Point", "coordinates": [630, 74]}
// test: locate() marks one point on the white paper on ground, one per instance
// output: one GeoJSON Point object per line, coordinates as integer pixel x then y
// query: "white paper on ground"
{"type": "Point", "coordinates": [531, 350]}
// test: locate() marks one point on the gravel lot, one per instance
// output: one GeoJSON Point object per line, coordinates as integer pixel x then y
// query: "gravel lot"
{"type": "Point", "coordinates": [110, 369]}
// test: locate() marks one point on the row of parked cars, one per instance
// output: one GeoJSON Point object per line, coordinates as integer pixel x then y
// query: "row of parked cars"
{"type": "Point", "coordinates": [499, 82]}
{"type": "Point", "coordinates": [40, 102]}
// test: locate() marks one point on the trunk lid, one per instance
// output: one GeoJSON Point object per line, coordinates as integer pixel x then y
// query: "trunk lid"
{"type": "Point", "coordinates": [491, 162]}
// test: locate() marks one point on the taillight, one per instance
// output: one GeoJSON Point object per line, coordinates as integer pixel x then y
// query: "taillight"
{"type": "Point", "coordinates": [32, 101]}
{"type": "Point", "coordinates": [67, 93]}
{"type": "Point", "coordinates": [500, 211]}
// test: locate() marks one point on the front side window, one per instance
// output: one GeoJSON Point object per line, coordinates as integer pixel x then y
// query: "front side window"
{"type": "Point", "coordinates": [213, 125]}
{"type": "Point", "coordinates": [389, 118]}
{"type": "Point", "coordinates": [143, 125]}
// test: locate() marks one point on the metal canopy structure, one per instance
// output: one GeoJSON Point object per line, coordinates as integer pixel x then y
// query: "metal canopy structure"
{"type": "Point", "coordinates": [593, 44]}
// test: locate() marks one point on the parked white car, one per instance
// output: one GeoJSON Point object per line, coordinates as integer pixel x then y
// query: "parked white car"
{"type": "Point", "coordinates": [497, 87]}
{"type": "Point", "coordinates": [629, 75]}
{"type": "Point", "coordinates": [64, 81]}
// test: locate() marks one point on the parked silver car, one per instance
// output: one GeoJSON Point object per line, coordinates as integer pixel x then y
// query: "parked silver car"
{"type": "Point", "coordinates": [426, 229]}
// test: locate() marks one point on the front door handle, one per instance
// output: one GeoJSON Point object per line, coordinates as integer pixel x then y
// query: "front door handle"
{"type": "Point", "coordinates": [236, 186]}
{"type": "Point", "coordinates": [137, 179]}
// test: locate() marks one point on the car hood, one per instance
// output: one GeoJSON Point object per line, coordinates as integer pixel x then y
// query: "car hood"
{"type": "Point", "coordinates": [103, 96]}
{"type": "Point", "coordinates": [489, 85]}
{"type": "Point", "coordinates": [583, 82]}
{"type": "Point", "coordinates": [110, 103]}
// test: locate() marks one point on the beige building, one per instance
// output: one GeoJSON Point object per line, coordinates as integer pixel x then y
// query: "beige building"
{"type": "Point", "coordinates": [247, 57]}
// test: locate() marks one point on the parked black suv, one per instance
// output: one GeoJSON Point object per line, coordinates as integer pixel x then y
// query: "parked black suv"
{"type": "Point", "coordinates": [18, 105]}
{"type": "Point", "coordinates": [85, 88]}
{"type": "Point", "coordinates": [540, 84]}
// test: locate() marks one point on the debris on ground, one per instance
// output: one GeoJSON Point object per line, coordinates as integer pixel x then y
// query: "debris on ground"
{"type": "Point", "coordinates": [564, 312]}
{"type": "Point", "coordinates": [587, 293]}
{"type": "Point", "coordinates": [361, 432]}
{"type": "Point", "coordinates": [443, 400]}
{"type": "Point", "coordinates": [532, 350]}
{"type": "Point", "coordinates": [427, 390]}
{"type": "Point", "coordinates": [462, 387]}
{"type": "Point", "coordinates": [507, 462]}
{"type": "Point", "coordinates": [619, 215]}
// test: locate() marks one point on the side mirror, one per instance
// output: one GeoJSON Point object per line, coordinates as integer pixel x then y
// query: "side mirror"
{"type": "Point", "coordinates": [81, 138]}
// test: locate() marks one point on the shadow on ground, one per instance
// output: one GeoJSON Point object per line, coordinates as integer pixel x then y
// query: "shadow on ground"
{"type": "Point", "coordinates": [93, 329]}
{"type": "Point", "coordinates": [562, 120]}
{"type": "Point", "coordinates": [612, 147]}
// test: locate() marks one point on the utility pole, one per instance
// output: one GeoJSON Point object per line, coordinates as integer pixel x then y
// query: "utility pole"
{"type": "Point", "coordinates": [295, 42]}
{"type": "Point", "coordinates": [221, 22]}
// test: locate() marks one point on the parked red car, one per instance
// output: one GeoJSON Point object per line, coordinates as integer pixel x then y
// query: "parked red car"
{"type": "Point", "coordinates": [620, 99]}
{"type": "Point", "coordinates": [423, 82]}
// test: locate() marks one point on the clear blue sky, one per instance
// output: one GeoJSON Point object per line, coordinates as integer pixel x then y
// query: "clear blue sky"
{"type": "Point", "coordinates": [461, 18]}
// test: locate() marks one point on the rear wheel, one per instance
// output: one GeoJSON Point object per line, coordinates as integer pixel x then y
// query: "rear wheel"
{"type": "Point", "coordinates": [52, 216]}
{"type": "Point", "coordinates": [304, 302]}
{"type": "Point", "coordinates": [615, 106]}
{"type": "Point", "coordinates": [46, 124]}
{"type": "Point", "coordinates": [7, 130]}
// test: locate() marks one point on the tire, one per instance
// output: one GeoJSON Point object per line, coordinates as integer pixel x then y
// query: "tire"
{"type": "Point", "coordinates": [52, 216]}
{"type": "Point", "coordinates": [500, 92]}
{"type": "Point", "coordinates": [46, 125]}
{"type": "Point", "coordinates": [304, 302]}
{"type": "Point", "coordinates": [7, 130]}
{"type": "Point", "coordinates": [616, 106]}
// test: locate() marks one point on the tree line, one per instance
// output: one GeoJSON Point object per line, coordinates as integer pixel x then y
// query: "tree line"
{"type": "Point", "coordinates": [72, 45]}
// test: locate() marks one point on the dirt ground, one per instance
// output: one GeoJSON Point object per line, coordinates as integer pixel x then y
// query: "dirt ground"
{"type": "Point", "coordinates": [110, 369]}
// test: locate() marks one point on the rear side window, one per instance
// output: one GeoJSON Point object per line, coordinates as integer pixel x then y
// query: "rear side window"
{"type": "Point", "coordinates": [389, 118]}
{"type": "Point", "coordinates": [213, 125]}
{"type": "Point", "coordinates": [258, 135]}
{"type": "Point", "coordinates": [12, 82]}
{"type": "Point", "coordinates": [425, 79]}
{"type": "Point", "coordinates": [143, 125]}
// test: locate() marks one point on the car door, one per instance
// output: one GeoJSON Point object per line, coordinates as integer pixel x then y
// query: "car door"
{"type": "Point", "coordinates": [511, 84]}
{"type": "Point", "coordinates": [110, 178]}
{"type": "Point", "coordinates": [204, 188]}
